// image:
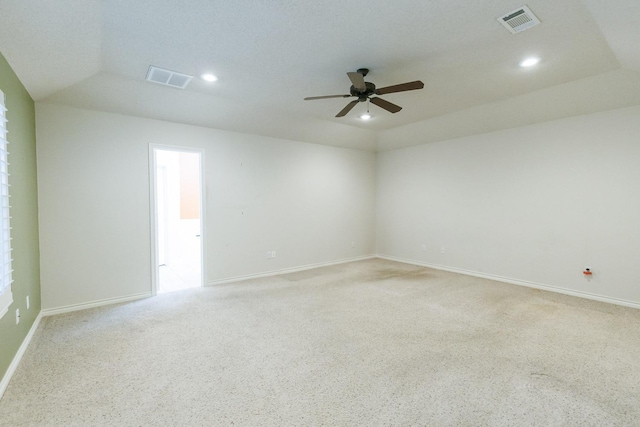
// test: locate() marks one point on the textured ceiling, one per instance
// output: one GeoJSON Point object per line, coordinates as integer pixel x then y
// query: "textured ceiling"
{"type": "Point", "coordinates": [271, 54]}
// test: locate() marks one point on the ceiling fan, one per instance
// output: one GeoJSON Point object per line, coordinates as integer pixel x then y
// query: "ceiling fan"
{"type": "Point", "coordinates": [364, 90]}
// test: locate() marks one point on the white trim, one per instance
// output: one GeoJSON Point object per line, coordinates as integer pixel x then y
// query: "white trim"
{"type": "Point", "coordinates": [557, 289]}
{"type": "Point", "coordinates": [288, 270]}
{"type": "Point", "coordinates": [203, 218]}
{"type": "Point", "coordinates": [4, 383]}
{"type": "Point", "coordinates": [93, 304]}
{"type": "Point", "coordinates": [6, 299]}
{"type": "Point", "coordinates": [153, 188]}
{"type": "Point", "coordinates": [153, 227]}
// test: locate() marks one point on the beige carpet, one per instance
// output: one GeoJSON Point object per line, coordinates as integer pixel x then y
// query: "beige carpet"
{"type": "Point", "coordinates": [371, 343]}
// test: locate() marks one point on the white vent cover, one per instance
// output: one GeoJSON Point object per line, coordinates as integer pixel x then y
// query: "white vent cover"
{"type": "Point", "coordinates": [168, 78]}
{"type": "Point", "coordinates": [519, 20]}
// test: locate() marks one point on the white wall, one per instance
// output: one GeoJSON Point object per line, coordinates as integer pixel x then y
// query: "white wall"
{"type": "Point", "coordinates": [534, 204]}
{"type": "Point", "coordinates": [307, 202]}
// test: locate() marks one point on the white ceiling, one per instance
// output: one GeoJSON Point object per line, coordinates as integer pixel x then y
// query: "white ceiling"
{"type": "Point", "coordinates": [270, 54]}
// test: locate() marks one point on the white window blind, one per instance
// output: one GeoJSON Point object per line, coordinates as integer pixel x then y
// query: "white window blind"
{"type": "Point", "coordinates": [5, 236]}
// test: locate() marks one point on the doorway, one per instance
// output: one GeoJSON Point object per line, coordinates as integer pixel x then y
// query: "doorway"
{"type": "Point", "coordinates": [177, 254]}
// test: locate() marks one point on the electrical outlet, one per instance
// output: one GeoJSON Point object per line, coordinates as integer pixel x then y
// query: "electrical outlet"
{"type": "Point", "coordinates": [28, 303]}
{"type": "Point", "coordinates": [17, 316]}
{"type": "Point", "coordinates": [424, 247]}
{"type": "Point", "coordinates": [442, 250]}
{"type": "Point", "coordinates": [273, 254]}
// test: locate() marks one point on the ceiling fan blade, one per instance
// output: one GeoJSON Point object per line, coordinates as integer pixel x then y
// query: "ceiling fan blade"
{"type": "Point", "coordinates": [358, 81]}
{"type": "Point", "coordinates": [346, 109]}
{"type": "Point", "coordinates": [393, 108]}
{"type": "Point", "coordinates": [310, 98]}
{"type": "Point", "coordinates": [400, 88]}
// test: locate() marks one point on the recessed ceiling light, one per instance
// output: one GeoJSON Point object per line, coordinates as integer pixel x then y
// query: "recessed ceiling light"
{"type": "Point", "coordinates": [209, 77]}
{"type": "Point", "coordinates": [529, 62]}
{"type": "Point", "coordinates": [365, 116]}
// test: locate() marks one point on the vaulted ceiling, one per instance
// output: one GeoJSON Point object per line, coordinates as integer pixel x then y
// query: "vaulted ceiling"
{"type": "Point", "coordinates": [270, 54]}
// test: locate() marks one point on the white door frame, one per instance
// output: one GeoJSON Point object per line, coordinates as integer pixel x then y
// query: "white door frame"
{"type": "Point", "coordinates": [153, 188]}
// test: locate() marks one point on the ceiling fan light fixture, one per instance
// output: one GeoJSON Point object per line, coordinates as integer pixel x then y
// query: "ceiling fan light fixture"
{"type": "Point", "coordinates": [209, 77]}
{"type": "Point", "coordinates": [529, 62]}
{"type": "Point", "coordinates": [365, 116]}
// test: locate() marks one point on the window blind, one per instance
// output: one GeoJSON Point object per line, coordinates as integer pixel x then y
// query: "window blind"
{"type": "Point", "coordinates": [6, 298]}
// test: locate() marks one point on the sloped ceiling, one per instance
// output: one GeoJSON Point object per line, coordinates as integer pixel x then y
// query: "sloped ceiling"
{"type": "Point", "coordinates": [269, 55]}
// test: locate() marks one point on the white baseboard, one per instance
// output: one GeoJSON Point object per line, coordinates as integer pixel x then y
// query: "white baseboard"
{"type": "Point", "coordinates": [4, 383]}
{"type": "Point", "coordinates": [534, 285]}
{"type": "Point", "coordinates": [92, 304]}
{"type": "Point", "coordinates": [288, 270]}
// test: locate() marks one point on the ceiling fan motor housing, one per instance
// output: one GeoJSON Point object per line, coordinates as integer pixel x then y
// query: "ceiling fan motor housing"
{"type": "Point", "coordinates": [362, 96]}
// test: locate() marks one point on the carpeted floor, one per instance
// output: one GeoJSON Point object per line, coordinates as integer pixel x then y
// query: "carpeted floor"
{"type": "Point", "coordinates": [371, 343]}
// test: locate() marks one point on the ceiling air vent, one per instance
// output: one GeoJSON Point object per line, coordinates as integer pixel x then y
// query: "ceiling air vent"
{"type": "Point", "coordinates": [519, 20]}
{"type": "Point", "coordinates": [168, 78]}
